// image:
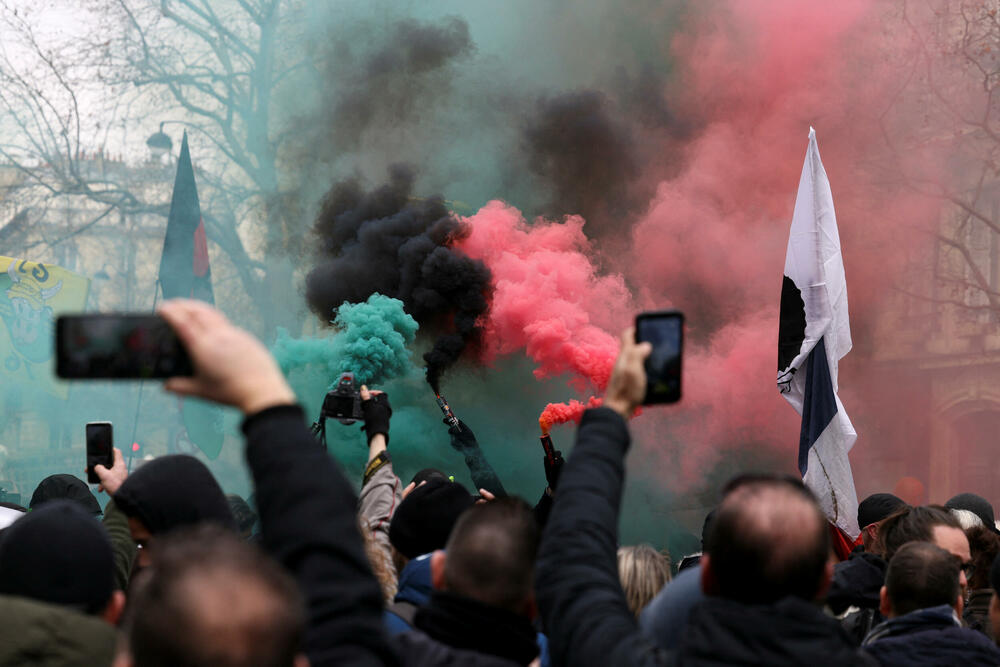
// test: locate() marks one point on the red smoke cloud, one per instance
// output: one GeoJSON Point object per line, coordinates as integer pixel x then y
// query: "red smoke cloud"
{"type": "Point", "coordinates": [548, 299]}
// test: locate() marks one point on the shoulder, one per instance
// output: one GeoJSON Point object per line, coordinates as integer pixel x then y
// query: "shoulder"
{"type": "Point", "coordinates": [419, 650]}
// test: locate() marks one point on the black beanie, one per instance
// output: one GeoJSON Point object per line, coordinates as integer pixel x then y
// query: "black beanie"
{"type": "Point", "coordinates": [877, 507]}
{"type": "Point", "coordinates": [65, 486]}
{"type": "Point", "coordinates": [173, 491]}
{"type": "Point", "coordinates": [427, 474]}
{"type": "Point", "coordinates": [975, 504]}
{"type": "Point", "coordinates": [58, 554]}
{"type": "Point", "coordinates": [423, 521]}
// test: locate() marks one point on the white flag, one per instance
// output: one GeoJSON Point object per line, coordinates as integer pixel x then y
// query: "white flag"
{"type": "Point", "coordinates": [813, 336]}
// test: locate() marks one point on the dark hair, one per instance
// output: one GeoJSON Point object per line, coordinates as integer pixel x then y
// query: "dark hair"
{"type": "Point", "coordinates": [491, 553]}
{"type": "Point", "coordinates": [912, 524]}
{"type": "Point", "coordinates": [211, 599]}
{"type": "Point", "coordinates": [984, 546]}
{"type": "Point", "coordinates": [757, 553]}
{"type": "Point", "coordinates": [921, 575]}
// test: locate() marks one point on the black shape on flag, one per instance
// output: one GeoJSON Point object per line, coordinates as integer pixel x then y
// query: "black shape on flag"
{"type": "Point", "coordinates": [791, 324]}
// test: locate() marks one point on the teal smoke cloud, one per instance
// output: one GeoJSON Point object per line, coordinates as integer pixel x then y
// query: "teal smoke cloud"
{"type": "Point", "coordinates": [372, 340]}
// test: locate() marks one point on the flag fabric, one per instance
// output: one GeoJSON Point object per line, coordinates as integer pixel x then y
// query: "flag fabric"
{"type": "Point", "coordinates": [814, 334]}
{"type": "Point", "coordinates": [32, 294]}
{"type": "Point", "coordinates": [185, 272]}
{"type": "Point", "coordinates": [184, 267]}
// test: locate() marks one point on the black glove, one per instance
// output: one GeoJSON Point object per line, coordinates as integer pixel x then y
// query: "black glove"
{"type": "Point", "coordinates": [377, 412]}
{"type": "Point", "coordinates": [553, 468]}
{"type": "Point", "coordinates": [462, 437]}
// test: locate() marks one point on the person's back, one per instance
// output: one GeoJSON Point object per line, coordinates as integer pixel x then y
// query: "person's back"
{"type": "Point", "coordinates": [765, 566]}
{"type": "Point", "coordinates": [922, 601]}
{"type": "Point", "coordinates": [483, 601]}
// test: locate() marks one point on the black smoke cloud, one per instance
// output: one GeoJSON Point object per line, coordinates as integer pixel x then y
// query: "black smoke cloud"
{"type": "Point", "coordinates": [387, 241]}
{"type": "Point", "coordinates": [389, 85]}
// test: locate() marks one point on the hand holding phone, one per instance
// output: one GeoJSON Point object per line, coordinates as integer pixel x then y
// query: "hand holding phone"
{"type": "Point", "coordinates": [100, 448]}
{"type": "Point", "coordinates": [664, 330]}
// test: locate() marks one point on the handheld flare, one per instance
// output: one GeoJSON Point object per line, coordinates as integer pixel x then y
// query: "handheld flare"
{"type": "Point", "coordinates": [550, 450]}
{"type": "Point", "coordinates": [446, 411]}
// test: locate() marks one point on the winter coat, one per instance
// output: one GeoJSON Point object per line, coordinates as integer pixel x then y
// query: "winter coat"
{"type": "Point", "coordinates": [977, 611]}
{"type": "Point", "coordinates": [666, 616]}
{"type": "Point", "coordinates": [116, 523]}
{"type": "Point", "coordinates": [931, 636]}
{"type": "Point", "coordinates": [46, 635]}
{"type": "Point", "coordinates": [854, 593]}
{"type": "Point", "coordinates": [414, 591]}
{"type": "Point", "coordinates": [309, 524]}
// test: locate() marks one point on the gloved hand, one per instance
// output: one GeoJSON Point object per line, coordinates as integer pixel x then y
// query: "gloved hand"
{"type": "Point", "coordinates": [553, 468]}
{"type": "Point", "coordinates": [377, 411]}
{"type": "Point", "coordinates": [462, 437]}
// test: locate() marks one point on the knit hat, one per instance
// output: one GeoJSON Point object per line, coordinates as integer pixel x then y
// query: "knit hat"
{"type": "Point", "coordinates": [58, 554]}
{"type": "Point", "coordinates": [64, 486]}
{"type": "Point", "coordinates": [423, 521]}
{"type": "Point", "coordinates": [975, 504]}
{"type": "Point", "coordinates": [877, 507]}
{"type": "Point", "coordinates": [427, 474]}
{"type": "Point", "coordinates": [173, 491]}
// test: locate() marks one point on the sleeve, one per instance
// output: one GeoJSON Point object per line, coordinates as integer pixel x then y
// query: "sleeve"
{"type": "Point", "coordinates": [381, 493]}
{"type": "Point", "coordinates": [309, 524]}
{"type": "Point", "coordinates": [482, 473]}
{"type": "Point", "coordinates": [116, 523]}
{"type": "Point", "coordinates": [585, 614]}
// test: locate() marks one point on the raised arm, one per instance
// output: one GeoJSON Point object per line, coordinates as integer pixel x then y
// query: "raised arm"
{"type": "Point", "coordinates": [585, 614]}
{"type": "Point", "coordinates": [307, 508]}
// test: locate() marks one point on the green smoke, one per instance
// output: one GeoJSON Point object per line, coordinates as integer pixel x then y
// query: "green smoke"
{"type": "Point", "coordinates": [371, 340]}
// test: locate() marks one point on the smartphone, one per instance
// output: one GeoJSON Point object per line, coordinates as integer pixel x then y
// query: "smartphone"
{"type": "Point", "coordinates": [665, 330]}
{"type": "Point", "coordinates": [118, 347]}
{"type": "Point", "coordinates": [100, 444]}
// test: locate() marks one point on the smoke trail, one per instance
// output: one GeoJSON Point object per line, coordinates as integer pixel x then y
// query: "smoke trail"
{"type": "Point", "coordinates": [548, 299]}
{"type": "Point", "coordinates": [387, 242]}
{"type": "Point", "coordinates": [372, 341]}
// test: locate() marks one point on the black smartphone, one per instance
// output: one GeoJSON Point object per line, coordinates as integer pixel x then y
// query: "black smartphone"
{"type": "Point", "coordinates": [100, 444]}
{"type": "Point", "coordinates": [118, 347]}
{"type": "Point", "coordinates": [665, 330]}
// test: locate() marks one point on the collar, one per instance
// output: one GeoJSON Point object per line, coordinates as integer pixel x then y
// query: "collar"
{"type": "Point", "coordinates": [464, 623]}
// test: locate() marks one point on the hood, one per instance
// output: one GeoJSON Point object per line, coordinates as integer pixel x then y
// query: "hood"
{"type": "Point", "coordinates": [856, 582]}
{"type": "Point", "coordinates": [37, 633]}
{"type": "Point", "coordinates": [942, 616]}
{"type": "Point", "coordinates": [173, 491]}
{"type": "Point", "coordinates": [790, 632]}
{"type": "Point", "coordinates": [415, 582]}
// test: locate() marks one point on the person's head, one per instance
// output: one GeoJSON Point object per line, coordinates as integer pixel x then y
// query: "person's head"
{"type": "Point", "coordinates": [871, 512]}
{"type": "Point", "coordinates": [61, 555]}
{"type": "Point", "coordinates": [984, 545]}
{"type": "Point", "coordinates": [168, 493]}
{"type": "Point", "coordinates": [924, 523]}
{"type": "Point", "coordinates": [920, 575]}
{"type": "Point", "coordinates": [245, 517]}
{"type": "Point", "coordinates": [643, 571]}
{"type": "Point", "coordinates": [490, 556]}
{"type": "Point", "coordinates": [768, 540]}
{"type": "Point", "coordinates": [975, 504]}
{"type": "Point", "coordinates": [423, 521]}
{"type": "Point", "coordinates": [210, 598]}
{"type": "Point", "coordinates": [66, 487]}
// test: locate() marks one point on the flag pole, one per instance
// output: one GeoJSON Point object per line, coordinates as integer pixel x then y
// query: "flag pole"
{"type": "Point", "coordinates": [142, 384]}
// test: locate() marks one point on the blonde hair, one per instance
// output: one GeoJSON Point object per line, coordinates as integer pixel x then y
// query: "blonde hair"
{"type": "Point", "coordinates": [643, 571]}
{"type": "Point", "coordinates": [381, 563]}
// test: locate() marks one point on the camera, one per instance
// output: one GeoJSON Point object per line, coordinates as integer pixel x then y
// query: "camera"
{"type": "Point", "coordinates": [343, 402]}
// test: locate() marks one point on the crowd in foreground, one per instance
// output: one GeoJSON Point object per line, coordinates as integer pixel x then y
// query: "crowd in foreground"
{"type": "Point", "coordinates": [176, 573]}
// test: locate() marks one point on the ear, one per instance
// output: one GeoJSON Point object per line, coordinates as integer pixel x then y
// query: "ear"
{"type": "Point", "coordinates": [709, 586]}
{"type": "Point", "coordinates": [825, 579]}
{"type": "Point", "coordinates": [112, 612]}
{"type": "Point", "coordinates": [437, 570]}
{"type": "Point", "coordinates": [959, 604]}
{"type": "Point", "coordinates": [884, 606]}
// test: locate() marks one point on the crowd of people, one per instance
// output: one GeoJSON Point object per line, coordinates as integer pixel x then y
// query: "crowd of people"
{"type": "Point", "coordinates": [174, 572]}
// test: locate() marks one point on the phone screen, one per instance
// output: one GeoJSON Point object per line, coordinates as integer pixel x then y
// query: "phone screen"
{"type": "Point", "coordinates": [665, 330]}
{"type": "Point", "coordinates": [100, 442]}
{"type": "Point", "coordinates": [118, 346]}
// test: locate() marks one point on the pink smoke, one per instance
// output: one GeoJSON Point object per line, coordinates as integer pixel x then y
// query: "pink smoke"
{"type": "Point", "coordinates": [549, 299]}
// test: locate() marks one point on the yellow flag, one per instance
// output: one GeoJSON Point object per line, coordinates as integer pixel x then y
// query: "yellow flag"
{"type": "Point", "coordinates": [32, 294]}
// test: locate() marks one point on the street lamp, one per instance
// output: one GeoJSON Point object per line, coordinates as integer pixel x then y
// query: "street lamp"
{"type": "Point", "coordinates": [159, 143]}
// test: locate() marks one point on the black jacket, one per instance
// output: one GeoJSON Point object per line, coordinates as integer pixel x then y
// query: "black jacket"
{"type": "Point", "coordinates": [308, 517]}
{"type": "Point", "coordinates": [856, 583]}
{"type": "Point", "coordinates": [791, 632]}
{"type": "Point", "coordinates": [585, 614]}
{"type": "Point", "coordinates": [930, 637]}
